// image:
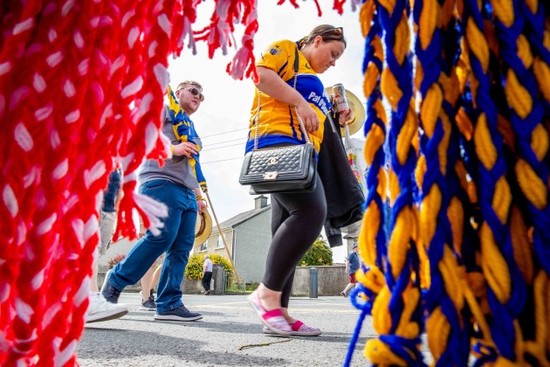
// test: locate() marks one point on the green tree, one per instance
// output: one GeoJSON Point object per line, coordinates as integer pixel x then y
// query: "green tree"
{"type": "Point", "coordinates": [318, 254]}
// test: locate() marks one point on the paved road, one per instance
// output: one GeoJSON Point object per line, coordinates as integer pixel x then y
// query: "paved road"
{"type": "Point", "coordinates": [228, 335]}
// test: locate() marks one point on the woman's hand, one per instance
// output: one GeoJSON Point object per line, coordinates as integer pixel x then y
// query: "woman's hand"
{"type": "Point", "coordinates": [186, 149]}
{"type": "Point", "coordinates": [308, 116]}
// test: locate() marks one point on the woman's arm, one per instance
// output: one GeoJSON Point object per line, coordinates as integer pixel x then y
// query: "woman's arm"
{"type": "Point", "coordinates": [271, 84]}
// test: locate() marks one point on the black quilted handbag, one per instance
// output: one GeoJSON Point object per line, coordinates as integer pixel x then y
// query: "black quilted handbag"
{"type": "Point", "coordinates": [281, 169]}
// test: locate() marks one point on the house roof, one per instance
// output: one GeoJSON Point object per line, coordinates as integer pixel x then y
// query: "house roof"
{"type": "Point", "coordinates": [240, 218]}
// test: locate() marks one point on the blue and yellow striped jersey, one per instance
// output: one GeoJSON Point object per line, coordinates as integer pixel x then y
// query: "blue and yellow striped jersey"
{"type": "Point", "coordinates": [277, 121]}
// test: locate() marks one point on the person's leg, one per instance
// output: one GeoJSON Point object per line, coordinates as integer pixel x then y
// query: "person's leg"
{"type": "Point", "coordinates": [106, 230]}
{"type": "Point", "coordinates": [99, 309]}
{"type": "Point", "coordinates": [203, 282]}
{"type": "Point", "coordinates": [297, 220]}
{"type": "Point", "coordinates": [184, 210]}
{"type": "Point", "coordinates": [94, 288]}
{"type": "Point", "coordinates": [271, 298]}
{"type": "Point", "coordinates": [149, 247]}
{"type": "Point", "coordinates": [156, 275]}
{"type": "Point", "coordinates": [350, 285]}
{"type": "Point", "coordinates": [206, 280]}
{"type": "Point", "coordinates": [298, 327]}
{"type": "Point", "coordinates": [348, 288]}
{"type": "Point", "coordinates": [147, 282]}
{"type": "Point", "coordinates": [285, 296]}
{"type": "Point", "coordinates": [147, 298]}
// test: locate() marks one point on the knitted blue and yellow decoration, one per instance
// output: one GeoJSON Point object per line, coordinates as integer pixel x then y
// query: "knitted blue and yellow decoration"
{"type": "Point", "coordinates": [466, 259]}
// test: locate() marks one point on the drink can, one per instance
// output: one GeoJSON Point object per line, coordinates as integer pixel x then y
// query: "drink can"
{"type": "Point", "coordinates": [340, 100]}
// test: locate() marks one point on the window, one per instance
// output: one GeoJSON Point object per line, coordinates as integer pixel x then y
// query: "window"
{"type": "Point", "coordinates": [219, 244]}
{"type": "Point", "coordinates": [203, 248]}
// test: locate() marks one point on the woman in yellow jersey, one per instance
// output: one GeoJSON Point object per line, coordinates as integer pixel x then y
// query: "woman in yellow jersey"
{"type": "Point", "coordinates": [297, 219]}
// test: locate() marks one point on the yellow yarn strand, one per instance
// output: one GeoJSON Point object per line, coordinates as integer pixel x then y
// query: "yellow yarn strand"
{"type": "Point", "coordinates": [524, 51]}
{"type": "Point", "coordinates": [539, 141]}
{"type": "Point", "coordinates": [494, 265]}
{"type": "Point", "coordinates": [504, 11]}
{"type": "Point", "coordinates": [485, 149]}
{"type": "Point", "coordinates": [429, 210]}
{"type": "Point", "coordinates": [367, 237]}
{"type": "Point", "coordinates": [450, 271]}
{"type": "Point", "coordinates": [438, 330]}
{"type": "Point", "coordinates": [531, 185]}
{"type": "Point", "coordinates": [428, 22]}
{"type": "Point", "coordinates": [400, 237]}
{"type": "Point", "coordinates": [518, 97]}
{"type": "Point", "coordinates": [429, 110]}
{"type": "Point", "coordinates": [480, 48]}
{"type": "Point", "coordinates": [455, 213]}
{"type": "Point", "coordinates": [381, 355]}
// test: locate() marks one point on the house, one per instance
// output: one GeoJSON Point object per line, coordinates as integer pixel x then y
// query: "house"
{"type": "Point", "coordinates": [252, 231]}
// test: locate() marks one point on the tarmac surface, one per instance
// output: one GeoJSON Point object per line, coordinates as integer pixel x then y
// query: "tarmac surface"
{"type": "Point", "coordinates": [230, 334]}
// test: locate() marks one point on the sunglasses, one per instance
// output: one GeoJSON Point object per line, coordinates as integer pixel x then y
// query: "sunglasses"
{"type": "Point", "coordinates": [336, 33]}
{"type": "Point", "coordinates": [195, 92]}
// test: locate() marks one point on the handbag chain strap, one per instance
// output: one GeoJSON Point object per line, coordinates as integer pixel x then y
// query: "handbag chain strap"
{"type": "Point", "coordinates": [302, 127]}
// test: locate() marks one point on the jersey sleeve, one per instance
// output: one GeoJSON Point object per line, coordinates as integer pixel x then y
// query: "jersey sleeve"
{"type": "Point", "coordinates": [279, 57]}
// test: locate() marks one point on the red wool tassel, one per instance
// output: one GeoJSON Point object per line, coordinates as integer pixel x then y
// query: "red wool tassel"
{"type": "Point", "coordinates": [80, 84]}
{"type": "Point", "coordinates": [81, 90]}
{"type": "Point", "coordinates": [295, 4]}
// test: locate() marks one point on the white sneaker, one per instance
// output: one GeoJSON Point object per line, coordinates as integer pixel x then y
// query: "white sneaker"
{"type": "Point", "coordinates": [101, 310]}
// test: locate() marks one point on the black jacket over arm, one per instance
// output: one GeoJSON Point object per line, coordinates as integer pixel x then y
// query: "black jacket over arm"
{"type": "Point", "coordinates": [345, 198]}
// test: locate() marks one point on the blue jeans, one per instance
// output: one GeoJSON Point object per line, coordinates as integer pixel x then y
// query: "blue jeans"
{"type": "Point", "coordinates": [176, 239]}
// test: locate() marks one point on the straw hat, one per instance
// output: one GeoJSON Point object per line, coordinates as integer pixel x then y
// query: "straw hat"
{"type": "Point", "coordinates": [357, 112]}
{"type": "Point", "coordinates": [203, 227]}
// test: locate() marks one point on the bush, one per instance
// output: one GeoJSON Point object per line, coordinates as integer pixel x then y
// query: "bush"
{"type": "Point", "coordinates": [318, 254]}
{"type": "Point", "coordinates": [194, 266]}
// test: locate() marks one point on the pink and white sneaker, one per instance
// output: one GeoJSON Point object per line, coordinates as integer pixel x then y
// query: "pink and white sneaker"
{"type": "Point", "coordinates": [273, 320]}
{"type": "Point", "coordinates": [299, 329]}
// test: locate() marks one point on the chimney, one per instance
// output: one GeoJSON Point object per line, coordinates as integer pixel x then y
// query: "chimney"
{"type": "Point", "coordinates": [260, 202]}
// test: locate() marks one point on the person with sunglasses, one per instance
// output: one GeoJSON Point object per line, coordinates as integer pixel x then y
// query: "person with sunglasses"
{"type": "Point", "coordinates": [175, 184]}
{"type": "Point", "coordinates": [288, 88]}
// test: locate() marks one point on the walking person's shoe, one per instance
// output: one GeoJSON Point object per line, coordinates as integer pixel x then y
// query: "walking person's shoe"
{"type": "Point", "coordinates": [207, 293]}
{"type": "Point", "coordinates": [178, 314]}
{"type": "Point", "coordinates": [149, 304]}
{"type": "Point", "coordinates": [344, 294]}
{"type": "Point", "coordinates": [101, 310]}
{"type": "Point", "coordinates": [272, 319]}
{"type": "Point", "coordinates": [298, 329]}
{"type": "Point", "coordinates": [108, 291]}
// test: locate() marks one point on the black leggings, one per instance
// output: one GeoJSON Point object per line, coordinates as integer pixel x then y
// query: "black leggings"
{"type": "Point", "coordinates": [296, 221]}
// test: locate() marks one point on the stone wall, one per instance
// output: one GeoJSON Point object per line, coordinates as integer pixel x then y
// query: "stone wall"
{"type": "Point", "coordinates": [331, 280]}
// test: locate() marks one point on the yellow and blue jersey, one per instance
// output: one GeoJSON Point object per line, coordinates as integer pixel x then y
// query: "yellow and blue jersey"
{"type": "Point", "coordinates": [278, 123]}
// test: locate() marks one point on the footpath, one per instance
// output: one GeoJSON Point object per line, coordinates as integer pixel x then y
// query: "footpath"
{"type": "Point", "coordinates": [228, 335]}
